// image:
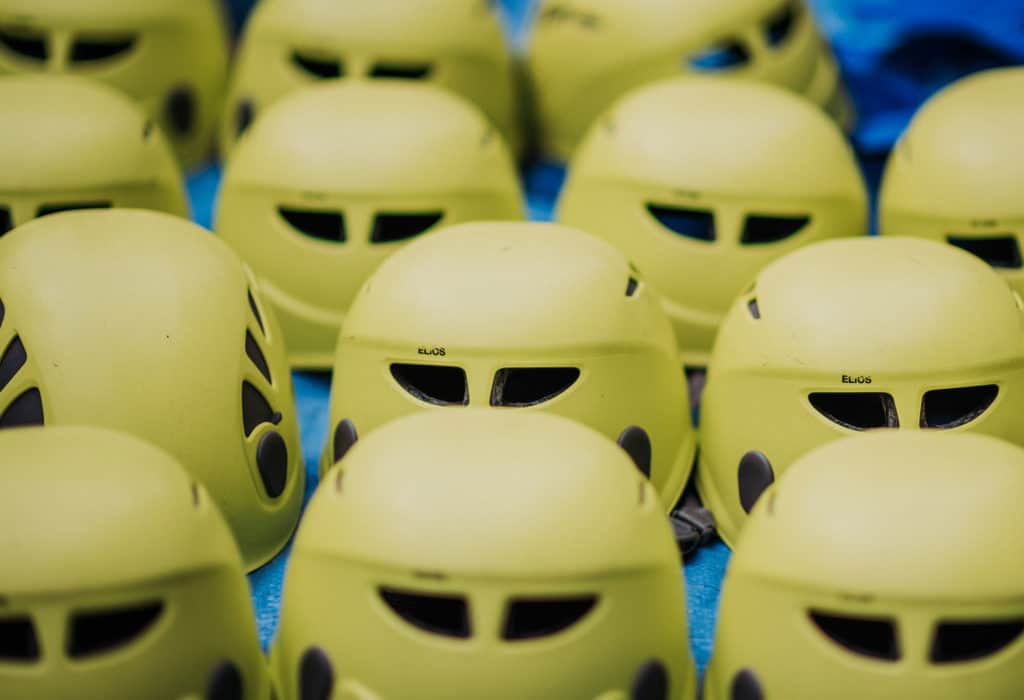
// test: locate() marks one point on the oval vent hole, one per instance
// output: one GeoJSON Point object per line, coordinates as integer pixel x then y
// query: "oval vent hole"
{"type": "Point", "coordinates": [956, 642]}
{"type": "Point", "coordinates": [18, 643]}
{"type": "Point", "coordinates": [698, 224]}
{"type": "Point", "coordinates": [12, 361]}
{"type": "Point", "coordinates": [391, 227]}
{"type": "Point", "coordinates": [950, 408]}
{"type": "Point", "coordinates": [445, 615]}
{"type": "Point", "coordinates": [252, 349]}
{"type": "Point", "coordinates": [864, 636]}
{"type": "Point", "coordinates": [318, 67]}
{"type": "Point", "coordinates": [47, 209]}
{"type": "Point", "coordinates": [779, 27]}
{"type": "Point", "coordinates": [997, 251]}
{"type": "Point", "coordinates": [529, 618]}
{"type": "Point", "coordinates": [323, 225]}
{"type": "Point", "coordinates": [256, 409]}
{"type": "Point", "coordinates": [25, 410]}
{"type": "Point", "coordinates": [720, 56]}
{"type": "Point", "coordinates": [104, 631]}
{"type": "Point", "coordinates": [402, 71]}
{"type": "Point", "coordinates": [25, 45]}
{"type": "Point", "coordinates": [759, 230]}
{"type": "Point", "coordinates": [93, 50]}
{"type": "Point", "coordinates": [529, 386]}
{"type": "Point", "coordinates": [857, 410]}
{"type": "Point", "coordinates": [440, 385]}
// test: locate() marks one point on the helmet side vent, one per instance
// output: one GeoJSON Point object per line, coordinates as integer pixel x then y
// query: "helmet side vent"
{"type": "Point", "coordinates": [753, 309]}
{"type": "Point", "coordinates": [951, 408]}
{"type": "Point", "coordinates": [698, 224]}
{"type": "Point", "coordinates": [530, 386]}
{"type": "Point", "coordinates": [534, 618]}
{"type": "Point", "coordinates": [256, 409]}
{"type": "Point", "coordinates": [779, 27]}
{"type": "Point", "coordinates": [441, 385]}
{"type": "Point", "coordinates": [6, 221]}
{"type": "Point", "coordinates": [25, 410]}
{"type": "Point", "coordinates": [721, 56]}
{"type": "Point", "coordinates": [632, 286]}
{"type": "Point", "coordinates": [256, 312]}
{"type": "Point", "coordinates": [857, 410]}
{"type": "Point", "coordinates": [12, 361]}
{"type": "Point", "coordinates": [864, 636]}
{"type": "Point", "coordinates": [252, 350]}
{"type": "Point", "coordinates": [18, 642]}
{"type": "Point", "coordinates": [997, 251]}
{"type": "Point", "coordinates": [103, 631]}
{"type": "Point", "coordinates": [443, 615]}
{"type": "Point", "coordinates": [958, 642]}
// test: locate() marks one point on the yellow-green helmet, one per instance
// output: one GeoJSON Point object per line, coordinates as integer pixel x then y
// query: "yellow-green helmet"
{"type": "Point", "coordinates": [848, 335]}
{"type": "Point", "coordinates": [455, 44]}
{"type": "Point", "coordinates": [885, 566]}
{"type": "Point", "coordinates": [77, 144]}
{"type": "Point", "coordinates": [702, 182]}
{"type": "Point", "coordinates": [585, 54]}
{"type": "Point", "coordinates": [169, 55]}
{"type": "Point", "coordinates": [120, 577]}
{"type": "Point", "coordinates": [500, 556]}
{"type": "Point", "coordinates": [521, 316]}
{"type": "Point", "coordinates": [143, 322]}
{"type": "Point", "coordinates": [336, 178]}
{"type": "Point", "coordinates": [955, 175]}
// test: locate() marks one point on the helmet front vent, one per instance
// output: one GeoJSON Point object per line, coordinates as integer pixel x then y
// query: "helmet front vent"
{"type": "Point", "coordinates": [444, 615]}
{"type": "Point", "coordinates": [958, 642]}
{"type": "Point", "coordinates": [721, 56]}
{"type": "Point", "coordinates": [997, 251]}
{"type": "Point", "coordinates": [322, 225]}
{"type": "Point", "coordinates": [951, 408]}
{"type": "Point", "coordinates": [94, 50]}
{"type": "Point", "coordinates": [18, 643]}
{"type": "Point", "coordinates": [401, 71]}
{"type": "Point", "coordinates": [530, 386]}
{"type": "Point", "coordinates": [318, 67]}
{"type": "Point", "coordinates": [393, 227]}
{"type": "Point", "coordinates": [857, 410]}
{"type": "Point", "coordinates": [6, 221]}
{"type": "Point", "coordinates": [47, 209]}
{"type": "Point", "coordinates": [759, 230]}
{"type": "Point", "coordinates": [536, 618]}
{"type": "Point", "coordinates": [26, 45]}
{"type": "Point", "coordinates": [441, 385]}
{"type": "Point", "coordinates": [779, 27]}
{"type": "Point", "coordinates": [698, 224]}
{"type": "Point", "coordinates": [864, 636]}
{"type": "Point", "coordinates": [101, 632]}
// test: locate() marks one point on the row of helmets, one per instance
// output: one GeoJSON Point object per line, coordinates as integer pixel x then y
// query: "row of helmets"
{"type": "Point", "coordinates": [173, 56]}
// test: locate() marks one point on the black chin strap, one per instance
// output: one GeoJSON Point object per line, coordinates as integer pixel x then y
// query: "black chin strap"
{"type": "Point", "coordinates": [692, 523]}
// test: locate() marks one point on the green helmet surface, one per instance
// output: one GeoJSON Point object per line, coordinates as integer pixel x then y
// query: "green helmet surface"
{"type": "Point", "coordinates": [120, 577]}
{"type": "Point", "coordinates": [336, 178]}
{"type": "Point", "coordinates": [79, 144]}
{"type": "Point", "coordinates": [496, 555]}
{"type": "Point", "coordinates": [169, 55]}
{"type": "Point", "coordinates": [145, 323]}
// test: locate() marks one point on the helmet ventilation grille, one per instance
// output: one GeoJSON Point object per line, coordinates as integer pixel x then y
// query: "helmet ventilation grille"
{"type": "Point", "coordinates": [12, 361]}
{"type": "Point", "coordinates": [104, 631]}
{"type": "Point", "coordinates": [28, 46]}
{"type": "Point", "coordinates": [957, 642]}
{"type": "Point", "coordinates": [319, 67]}
{"type": "Point", "coordinates": [441, 385]}
{"type": "Point", "coordinates": [252, 349]}
{"type": "Point", "coordinates": [25, 410]}
{"type": "Point", "coordinates": [392, 227]}
{"type": "Point", "coordinates": [698, 224]}
{"type": "Point", "coordinates": [322, 225]}
{"type": "Point", "coordinates": [720, 56]}
{"type": "Point", "coordinates": [758, 230]}
{"type": "Point", "coordinates": [401, 71]}
{"type": "Point", "coordinates": [779, 27]}
{"type": "Point", "coordinates": [47, 209]}
{"type": "Point", "coordinates": [444, 615]}
{"type": "Point", "coordinates": [6, 222]}
{"type": "Point", "coordinates": [18, 643]}
{"type": "Point", "coordinates": [530, 386]}
{"type": "Point", "coordinates": [997, 251]}
{"type": "Point", "coordinates": [535, 618]}
{"type": "Point", "coordinates": [256, 409]}
{"type": "Point", "coordinates": [951, 408]}
{"type": "Point", "coordinates": [857, 410]}
{"type": "Point", "coordinates": [871, 637]}
{"type": "Point", "coordinates": [101, 49]}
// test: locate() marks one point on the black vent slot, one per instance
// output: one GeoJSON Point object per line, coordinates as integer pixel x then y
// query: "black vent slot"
{"type": "Point", "coordinates": [957, 642]}
{"type": "Point", "coordinates": [535, 618]}
{"type": "Point", "coordinates": [698, 224]}
{"type": "Point", "coordinates": [252, 349]}
{"type": "Point", "coordinates": [631, 286]}
{"type": "Point", "coordinates": [256, 409]}
{"type": "Point", "coordinates": [722, 56]}
{"type": "Point", "coordinates": [771, 229]}
{"type": "Point", "coordinates": [256, 312]}
{"type": "Point", "coordinates": [18, 643]}
{"type": "Point", "coordinates": [864, 636]}
{"type": "Point", "coordinates": [529, 386]}
{"type": "Point", "coordinates": [445, 615]}
{"type": "Point", "coordinates": [104, 631]}
{"type": "Point", "coordinates": [440, 385]}
{"type": "Point", "coordinates": [28, 46]}
{"type": "Point", "coordinates": [389, 228]}
{"type": "Point", "coordinates": [997, 251]}
{"type": "Point", "coordinates": [754, 310]}
{"type": "Point", "coordinates": [319, 67]}
{"type": "Point", "coordinates": [93, 50]}
{"type": "Point", "coordinates": [6, 221]}
{"type": "Point", "coordinates": [857, 410]}
{"type": "Point", "coordinates": [949, 408]}
{"type": "Point", "coordinates": [13, 359]}
{"type": "Point", "coordinates": [402, 71]}
{"type": "Point", "coordinates": [47, 209]}
{"type": "Point", "coordinates": [25, 410]}
{"type": "Point", "coordinates": [324, 225]}
{"type": "Point", "coordinates": [778, 28]}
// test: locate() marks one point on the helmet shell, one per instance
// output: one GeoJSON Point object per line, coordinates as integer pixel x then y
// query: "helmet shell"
{"type": "Point", "coordinates": [334, 179]}
{"type": "Point", "coordinates": [490, 509]}
{"type": "Point", "coordinates": [142, 322]}
{"type": "Point", "coordinates": [584, 56]}
{"type": "Point", "coordinates": [852, 334]}
{"type": "Point", "coordinates": [905, 548]}
{"type": "Point", "coordinates": [170, 56]}
{"type": "Point", "coordinates": [762, 171]}
{"type": "Point", "coordinates": [955, 174]}
{"type": "Point", "coordinates": [120, 571]}
{"type": "Point", "coordinates": [80, 144]}
{"type": "Point", "coordinates": [454, 44]}
{"type": "Point", "coordinates": [516, 315]}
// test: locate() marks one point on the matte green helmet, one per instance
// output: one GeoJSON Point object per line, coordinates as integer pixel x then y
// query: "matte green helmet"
{"type": "Point", "coordinates": [885, 566]}
{"type": "Point", "coordinates": [78, 144]}
{"type": "Point", "coordinates": [145, 323]}
{"type": "Point", "coordinates": [336, 178]}
{"type": "Point", "coordinates": [169, 55]}
{"type": "Point", "coordinates": [120, 577]}
{"type": "Point", "coordinates": [493, 555]}
{"type": "Point", "coordinates": [454, 44]}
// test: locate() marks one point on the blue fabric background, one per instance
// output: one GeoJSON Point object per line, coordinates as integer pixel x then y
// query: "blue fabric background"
{"type": "Point", "coordinates": [894, 54]}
